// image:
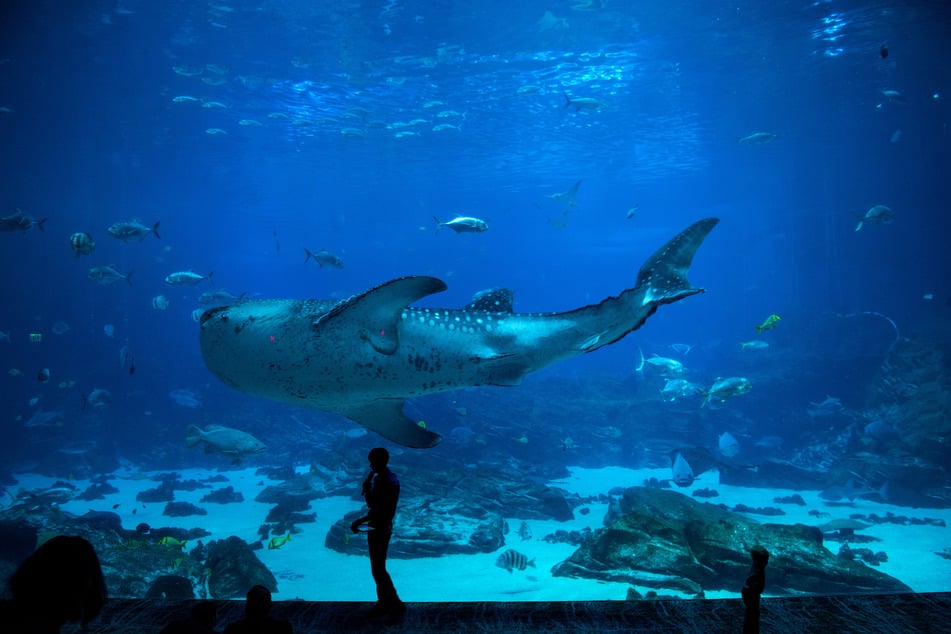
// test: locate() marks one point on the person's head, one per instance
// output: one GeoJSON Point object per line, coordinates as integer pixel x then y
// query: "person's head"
{"type": "Point", "coordinates": [61, 581]}
{"type": "Point", "coordinates": [760, 555]}
{"type": "Point", "coordinates": [259, 602]}
{"type": "Point", "coordinates": [379, 458]}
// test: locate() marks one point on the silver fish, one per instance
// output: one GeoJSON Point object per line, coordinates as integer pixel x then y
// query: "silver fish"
{"type": "Point", "coordinates": [463, 224]}
{"type": "Point", "coordinates": [186, 278]}
{"type": "Point", "coordinates": [106, 275]}
{"type": "Point", "coordinates": [126, 231]}
{"type": "Point", "coordinates": [323, 258]}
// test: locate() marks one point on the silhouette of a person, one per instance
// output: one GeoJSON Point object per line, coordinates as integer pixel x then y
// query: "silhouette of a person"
{"type": "Point", "coordinates": [381, 490]}
{"type": "Point", "coordinates": [60, 582]}
{"type": "Point", "coordinates": [256, 618]}
{"type": "Point", "coordinates": [753, 588]}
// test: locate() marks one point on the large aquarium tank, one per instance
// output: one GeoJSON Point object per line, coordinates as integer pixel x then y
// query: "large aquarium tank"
{"type": "Point", "coordinates": [624, 288]}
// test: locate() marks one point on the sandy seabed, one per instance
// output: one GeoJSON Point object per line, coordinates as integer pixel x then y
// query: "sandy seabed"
{"type": "Point", "coordinates": [306, 569]}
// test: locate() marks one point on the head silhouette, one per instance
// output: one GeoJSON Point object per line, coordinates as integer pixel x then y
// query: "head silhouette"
{"type": "Point", "coordinates": [258, 602]}
{"type": "Point", "coordinates": [379, 458]}
{"type": "Point", "coordinates": [60, 582]}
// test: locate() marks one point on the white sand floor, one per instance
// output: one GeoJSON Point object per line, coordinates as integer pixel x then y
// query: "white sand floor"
{"type": "Point", "coordinates": [307, 570]}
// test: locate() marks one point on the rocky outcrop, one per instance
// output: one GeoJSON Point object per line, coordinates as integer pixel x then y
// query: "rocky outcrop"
{"type": "Point", "coordinates": [664, 539]}
{"type": "Point", "coordinates": [233, 568]}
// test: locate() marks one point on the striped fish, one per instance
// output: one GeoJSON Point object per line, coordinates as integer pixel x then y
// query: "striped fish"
{"type": "Point", "coordinates": [514, 560]}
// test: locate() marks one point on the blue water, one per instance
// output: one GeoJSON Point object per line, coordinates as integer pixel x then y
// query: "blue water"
{"type": "Point", "coordinates": [91, 136]}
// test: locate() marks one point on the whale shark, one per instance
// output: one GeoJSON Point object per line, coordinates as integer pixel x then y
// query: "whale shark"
{"type": "Point", "coordinates": [363, 356]}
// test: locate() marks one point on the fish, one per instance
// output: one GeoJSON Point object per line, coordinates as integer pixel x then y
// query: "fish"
{"type": "Point", "coordinates": [879, 214]}
{"type": "Point", "coordinates": [97, 398]}
{"type": "Point", "coordinates": [60, 328]}
{"type": "Point", "coordinates": [568, 195]}
{"type": "Point", "coordinates": [43, 376]}
{"type": "Point", "coordinates": [362, 356]}
{"type": "Point", "coordinates": [219, 298]}
{"type": "Point", "coordinates": [126, 231]}
{"type": "Point", "coordinates": [276, 543]}
{"type": "Point", "coordinates": [186, 278]}
{"type": "Point", "coordinates": [883, 51]}
{"type": "Point", "coordinates": [894, 96]}
{"type": "Point", "coordinates": [160, 302]}
{"type": "Point", "coordinates": [81, 243]}
{"type": "Point", "coordinates": [106, 275]}
{"type": "Point", "coordinates": [525, 531]}
{"type": "Point", "coordinates": [185, 398]}
{"type": "Point", "coordinates": [829, 406]}
{"type": "Point", "coordinates": [323, 258]}
{"type": "Point", "coordinates": [757, 138]}
{"type": "Point", "coordinates": [513, 560]}
{"type": "Point", "coordinates": [185, 99]}
{"type": "Point", "coordinates": [728, 445]}
{"type": "Point", "coordinates": [171, 542]}
{"type": "Point", "coordinates": [851, 490]}
{"type": "Point", "coordinates": [769, 323]}
{"type": "Point", "coordinates": [5, 336]}
{"type": "Point", "coordinates": [681, 348]}
{"type": "Point", "coordinates": [20, 221]}
{"type": "Point", "coordinates": [724, 388]}
{"type": "Point", "coordinates": [463, 224]}
{"type": "Point", "coordinates": [679, 388]}
{"type": "Point", "coordinates": [665, 365]}
{"type": "Point", "coordinates": [224, 440]}
{"type": "Point", "coordinates": [41, 418]}
{"type": "Point", "coordinates": [681, 473]}
{"type": "Point", "coordinates": [755, 344]}
{"type": "Point", "coordinates": [583, 103]}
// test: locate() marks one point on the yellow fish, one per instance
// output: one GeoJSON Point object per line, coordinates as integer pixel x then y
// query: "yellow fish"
{"type": "Point", "coordinates": [277, 542]}
{"type": "Point", "coordinates": [769, 323]}
{"type": "Point", "coordinates": [171, 542]}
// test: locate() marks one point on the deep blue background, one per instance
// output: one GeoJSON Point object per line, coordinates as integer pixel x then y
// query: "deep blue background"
{"type": "Point", "coordinates": [93, 137]}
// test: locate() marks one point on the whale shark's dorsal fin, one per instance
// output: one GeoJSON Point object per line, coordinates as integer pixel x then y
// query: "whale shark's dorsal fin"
{"type": "Point", "coordinates": [374, 314]}
{"type": "Point", "coordinates": [664, 274]}
{"type": "Point", "coordinates": [493, 300]}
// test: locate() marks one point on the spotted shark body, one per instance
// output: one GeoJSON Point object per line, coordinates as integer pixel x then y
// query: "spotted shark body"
{"type": "Point", "coordinates": [361, 357]}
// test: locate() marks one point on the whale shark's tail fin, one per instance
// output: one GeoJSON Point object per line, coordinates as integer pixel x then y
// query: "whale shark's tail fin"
{"type": "Point", "coordinates": [663, 277]}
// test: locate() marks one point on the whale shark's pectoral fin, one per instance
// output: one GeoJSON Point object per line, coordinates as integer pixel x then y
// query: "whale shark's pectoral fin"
{"type": "Point", "coordinates": [374, 314]}
{"type": "Point", "coordinates": [385, 416]}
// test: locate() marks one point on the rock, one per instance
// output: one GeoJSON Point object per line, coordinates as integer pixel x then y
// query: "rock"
{"type": "Point", "coordinates": [224, 495]}
{"type": "Point", "coordinates": [233, 568]}
{"type": "Point", "coordinates": [664, 539]}
{"type": "Point", "coordinates": [170, 587]}
{"type": "Point", "coordinates": [183, 509]}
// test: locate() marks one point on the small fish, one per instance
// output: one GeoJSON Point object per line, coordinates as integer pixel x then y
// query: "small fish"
{"type": "Point", "coordinates": [724, 388]}
{"type": "Point", "coordinates": [442, 127]}
{"type": "Point", "coordinates": [126, 231]}
{"type": "Point", "coordinates": [21, 222]}
{"type": "Point", "coordinates": [769, 323]}
{"type": "Point", "coordinates": [755, 344]}
{"type": "Point", "coordinates": [879, 214]}
{"type": "Point", "coordinates": [679, 388]}
{"type": "Point", "coordinates": [883, 51]}
{"type": "Point", "coordinates": [171, 542]}
{"type": "Point", "coordinates": [757, 138]}
{"type": "Point", "coordinates": [681, 348]}
{"type": "Point", "coordinates": [185, 99]}
{"type": "Point", "coordinates": [5, 336]}
{"type": "Point", "coordinates": [213, 104]}
{"type": "Point", "coordinates": [43, 376]}
{"type": "Point", "coordinates": [81, 243]}
{"type": "Point", "coordinates": [160, 302]}
{"type": "Point", "coordinates": [681, 473]}
{"type": "Point", "coordinates": [894, 96]}
{"type": "Point", "coordinates": [568, 195]}
{"type": "Point", "coordinates": [60, 328]}
{"type": "Point", "coordinates": [728, 445]}
{"type": "Point", "coordinates": [216, 132]}
{"type": "Point", "coordinates": [219, 298]}
{"type": "Point", "coordinates": [632, 212]}
{"type": "Point", "coordinates": [97, 398]}
{"type": "Point", "coordinates": [250, 123]}
{"type": "Point", "coordinates": [323, 258]}
{"type": "Point", "coordinates": [525, 531]}
{"type": "Point", "coordinates": [513, 560]}
{"type": "Point", "coordinates": [276, 543]}
{"type": "Point", "coordinates": [106, 275]}
{"type": "Point", "coordinates": [186, 278]}
{"type": "Point", "coordinates": [666, 365]}
{"type": "Point", "coordinates": [583, 103]}
{"type": "Point", "coordinates": [463, 224]}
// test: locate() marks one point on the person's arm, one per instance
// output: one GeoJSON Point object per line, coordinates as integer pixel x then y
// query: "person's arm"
{"type": "Point", "coordinates": [357, 523]}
